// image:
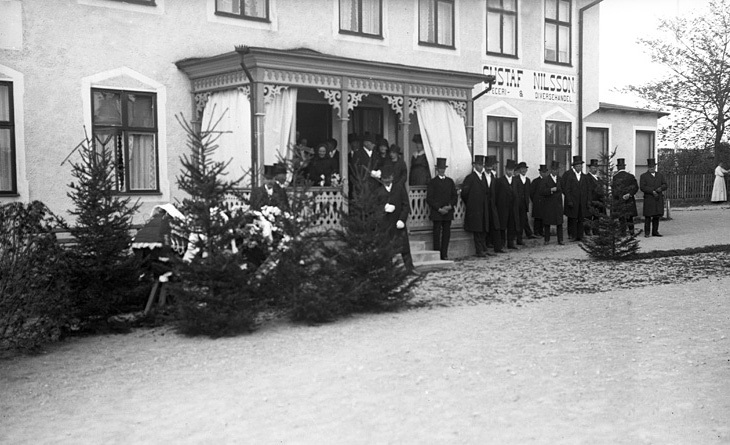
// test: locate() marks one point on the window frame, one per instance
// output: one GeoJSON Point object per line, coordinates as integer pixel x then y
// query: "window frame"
{"type": "Point", "coordinates": [640, 165]}
{"type": "Point", "coordinates": [558, 25]}
{"type": "Point", "coordinates": [10, 125]}
{"type": "Point", "coordinates": [122, 131]}
{"type": "Point", "coordinates": [436, 44]}
{"type": "Point", "coordinates": [551, 149]}
{"type": "Point", "coordinates": [604, 132]}
{"type": "Point", "coordinates": [499, 146]}
{"type": "Point", "coordinates": [243, 16]}
{"type": "Point", "coordinates": [502, 12]}
{"type": "Point", "coordinates": [359, 33]}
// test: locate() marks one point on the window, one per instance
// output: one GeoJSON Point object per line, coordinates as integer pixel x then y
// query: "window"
{"type": "Point", "coordinates": [245, 9]}
{"type": "Point", "coordinates": [596, 144]}
{"type": "Point", "coordinates": [644, 150]}
{"type": "Point", "coordinates": [8, 184]}
{"type": "Point", "coordinates": [436, 19]}
{"type": "Point", "coordinates": [502, 27]}
{"type": "Point", "coordinates": [557, 144]}
{"type": "Point", "coordinates": [502, 140]}
{"type": "Point", "coordinates": [125, 123]}
{"type": "Point", "coordinates": [361, 17]}
{"type": "Point", "coordinates": [557, 31]}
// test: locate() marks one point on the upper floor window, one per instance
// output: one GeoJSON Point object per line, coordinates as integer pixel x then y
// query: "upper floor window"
{"type": "Point", "coordinates": [8, 185]}
{"type": "Point", "coordinates": [436, 22]}
{"type": "Point", "coordinates": [502, 140]}
{"type": "Point", "coordinates": [125, 124]}
{"type": "Point", "coordinates": [138, 2]}
{"type": "Point", "coordinates": [557, 31]}
{"type": "Point", "coordinates": [246, 9]}
{"type": "Point", "coordinates": [361, 17]}
{"type": "Point", "coordinates": [502, 27]}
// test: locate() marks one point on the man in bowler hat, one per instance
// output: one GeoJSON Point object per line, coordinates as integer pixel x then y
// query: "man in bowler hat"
{"type": "Point", "coordinates": [537, 199]}
{"type": "Point", "coordinates": [270, 193]}
{"type": "Point", "coordinates": [508, 205]}
{"type": "Point", "coordinates": [575, 189]}
{"type": "Point", "coordinates": [523, 197]}
{"type": "Point", "coordinates": [623, 189]}
{"type": "Point", "coordinates": [441, 197]}
{"type": "Point", "coordinates": [474, 192]}
{"type": "Point", "coordinates": [552, 209]}
{"type": "Point", "coordinates": [653, 184]}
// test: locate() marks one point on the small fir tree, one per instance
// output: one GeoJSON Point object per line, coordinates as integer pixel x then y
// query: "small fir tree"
{"type": "Point", "coordinates": [213, 292]}
{"type": "Point", "coordinates": [104, 272]}
{"type": "Point", "coordinates": [611, 239]}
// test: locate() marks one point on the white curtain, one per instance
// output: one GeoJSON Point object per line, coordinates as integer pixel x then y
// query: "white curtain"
{"type": "Point", "coordinates": [234, 143]}
{"type": "Point", "coordinates": [142, 163]}
{"type": "Point", "coordinates": [279, 125]}
{"type": "Point", "coordinates": [444, 136]}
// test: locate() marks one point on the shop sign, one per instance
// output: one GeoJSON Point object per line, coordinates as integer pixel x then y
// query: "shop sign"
{"type": "Point", "coordinates": [519, 83]}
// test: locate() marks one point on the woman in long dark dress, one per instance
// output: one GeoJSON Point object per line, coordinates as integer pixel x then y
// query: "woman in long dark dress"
{"type": "Point", "coordinates": [321, 167]}
{"type": "Point", "coordinates": [420, 172]}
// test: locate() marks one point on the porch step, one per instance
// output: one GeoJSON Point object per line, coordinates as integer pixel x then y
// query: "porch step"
{"type": "Point", "coordinates": [429, 266]}
{"type": "Point", "coordinates": [427, 260]}
{"type": "Point", "coordinates": [420, 256]}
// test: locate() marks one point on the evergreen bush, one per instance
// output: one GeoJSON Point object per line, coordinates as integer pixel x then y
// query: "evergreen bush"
{"type": "Point", "coordinates": [33, 289]}
{"type": "Point", "coordinates": [104, 273]}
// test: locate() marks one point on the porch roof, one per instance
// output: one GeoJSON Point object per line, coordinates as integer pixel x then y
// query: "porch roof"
{"type": "Point", "coordinates": [605, 106]}
{"type": "Point", "coordinates": [308, 68]}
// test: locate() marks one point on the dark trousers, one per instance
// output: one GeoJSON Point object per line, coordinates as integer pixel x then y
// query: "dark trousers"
{"type": "Point", "coordinates": [525, 223]}
{"type": "Point", "coordinates": [654, 221]}
{"type": "Point", "coordinates": [627, 223]}
{"type": "Point", "coordinates": [480, 242]}
{"type": "Point", "coordinates": [546, 231]}
{"type": "Point", "coordinates": [537, 224]}
{"type": "Point", "coordinates": [509, 235]}
{"type": "Point", "coordinates": [575, 226]}
{"type": "Point", "coordinates": [441, 237]}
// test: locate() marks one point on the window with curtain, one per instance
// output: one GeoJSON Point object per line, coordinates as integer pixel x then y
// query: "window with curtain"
{"type": "Point", "coordinates": [8, 184]}
{"type": "Point", "coordinates": [502, 140]}
{"type": "Point", "coordinates": [557, 31]}
{"type": "Point", "coordinates": [558, 144]}
{"type": "Point", "coordinates": [644, 146]}
{"type": "Point", "coordinates": [502, 27]}
{"type": "Point", "coordinates": [596, 143]}
{"type": "Point", "coordinates": [436, 22]}
{"type": "Point", "coordinates": [361, 17]}
{"type": "Point", "coordinates": [125, 124]}
{"type": "Point", "coordinates": [243, 9]}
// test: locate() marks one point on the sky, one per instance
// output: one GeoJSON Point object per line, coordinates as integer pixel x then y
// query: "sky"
{"type": "Point", "coordinates": [622, 60]}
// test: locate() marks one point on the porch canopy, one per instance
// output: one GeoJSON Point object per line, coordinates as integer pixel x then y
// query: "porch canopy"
{"type": "Point", "coordinates": [262, 82]}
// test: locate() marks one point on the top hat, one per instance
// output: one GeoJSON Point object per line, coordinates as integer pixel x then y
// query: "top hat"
{"type": "Point", "coordinates": [554, 165]}
{"type": "Point", "coordinates": [577, 160]}
{"type": "Point", "coordinates": [368, 137]}
{"type": "Point", "coordinates": [620, 163]}
{"type": "Point", "coordinates": [522, 164]}
{"type": "Point", "coordinates": [479, 159]}
{"type": "Point", "coordinates": [594, 163]}
{"type": "Point", "coordinates": [510, 165]}
{"type": "Point", "coordinates": [651, 162]}
{"type": "Point", "coordinates": [269, 171]}
{"type": "Point", "coordinates": [543, 168]}
{"type": "Point", "coordinates": [395, 148]}
{"type": "Point", "coordinates": [441, 163]}
{"type": "Point", "coordinates": [279, 168]}
{"type": "Point", "coordinates": [491, 160]}
{"type": "Point", "coordinates": [417, 138]}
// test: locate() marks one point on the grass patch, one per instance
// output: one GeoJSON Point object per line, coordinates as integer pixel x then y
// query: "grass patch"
{"type": "Point", "coordinates": [679, 252]}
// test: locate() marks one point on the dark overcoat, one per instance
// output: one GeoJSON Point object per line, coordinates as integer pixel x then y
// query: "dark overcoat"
{"type": "Point", "coordinates": [508, 206]}
{"type": "Point", "coordinates": [398, 197]}
{"type": "Point", "coordinates": [400, 170]}
{"type": "Point", "coordinates": [523, 193]}
{"type": "Point", "coordinates": [480, 202]}
{"type": "Point", "coordinates": [596, 188]}
{"type": "Point", "coordinates": [625, 183]}
{"type": "Point", "coordinates": [576, 194]}
{"type": "Point", "coordinates": [261, 198]}
{"type": "Point", "coordinates": [361, 165]}
{"type": "Point", "coordinates": [552, 204]}
{"type": "Point", "coordinates": [648, 183]}
{"type": "Point", "coordinates": [439, 193]}
{"type": "Point", "coordinates": [536, 197]}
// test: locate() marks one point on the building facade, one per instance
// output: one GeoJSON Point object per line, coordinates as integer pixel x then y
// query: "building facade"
{"type": "Point", "coordinates": [121, 72]}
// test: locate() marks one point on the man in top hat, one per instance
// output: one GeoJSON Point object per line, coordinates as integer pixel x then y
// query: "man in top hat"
{"type": "Point", "coordinates": [537, 199]}
{"type": "Point", "coordinates": [333, 153]}
{"type": "Point", "coordinates": [523, 199]}
{"type": "Point", "coordinates": [552, 205]}
{"type": "Point", "coordinates": [363, 165]}
{"type": "Point", "coordinates": [653, 184]}
{"type": "Point", "coordinates": [494, 237]}
{"type": "Point", "coordinates": [474, 192]}
{"type": "Point", "coordinates": [575, 189]}
{"type": "Point", "coordinates": [270, 193]}
{"type": "Point", "coordinates": [508, 205]}
{"type": "Point", "coordinates": [395, 207]}
{"type": "Point", "coordinates": [623, 189]}
{"type": "Point", "coordinates": [441, 197]}
{"type": "Point", "coordinates": [595, 187]}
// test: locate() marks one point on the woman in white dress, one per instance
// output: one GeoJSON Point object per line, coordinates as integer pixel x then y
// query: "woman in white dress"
{"type": "Point", "coordinates": [719, 193]}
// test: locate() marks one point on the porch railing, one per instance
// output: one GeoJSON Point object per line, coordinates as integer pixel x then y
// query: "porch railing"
{"type": "Point", "coordinates": [330, 202]}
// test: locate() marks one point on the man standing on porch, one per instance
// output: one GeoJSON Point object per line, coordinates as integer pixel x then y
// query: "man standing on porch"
{"type": "Point", "coordinates": [441, 197]}
{"type": "Point", "coordinates": [363, 164]}
{"type": "Point", "coordinates": [653, 184]}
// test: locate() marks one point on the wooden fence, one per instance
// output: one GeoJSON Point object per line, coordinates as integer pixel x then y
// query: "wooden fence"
{"type": "Point", "coordinates": [691, 186]}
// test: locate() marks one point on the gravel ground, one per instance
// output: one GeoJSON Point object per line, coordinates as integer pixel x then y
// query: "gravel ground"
{"type": "Point", "coordinates": [537, 346]}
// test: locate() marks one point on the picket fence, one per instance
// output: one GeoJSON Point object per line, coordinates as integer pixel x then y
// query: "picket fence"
{"type": "Point", "coordinates": [691, 187]}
